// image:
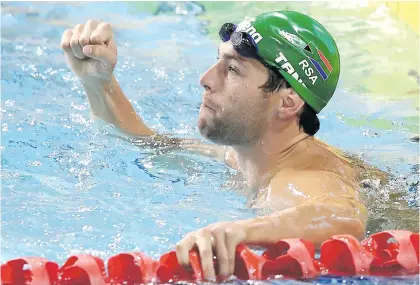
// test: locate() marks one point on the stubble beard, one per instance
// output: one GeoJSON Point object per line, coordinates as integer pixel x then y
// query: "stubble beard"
{"type": "Point", "coordinates": [229, 130]}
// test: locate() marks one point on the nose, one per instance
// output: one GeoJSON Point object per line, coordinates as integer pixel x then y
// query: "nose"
{"type": "Point", "coordinates": [210, 79]}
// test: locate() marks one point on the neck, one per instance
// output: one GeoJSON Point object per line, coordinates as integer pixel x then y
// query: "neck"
{"type": "Point", "coordinates": [260, 160]}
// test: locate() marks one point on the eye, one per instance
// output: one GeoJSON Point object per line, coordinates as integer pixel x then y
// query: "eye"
{"type": "Point", "coordinates": [231, 68]}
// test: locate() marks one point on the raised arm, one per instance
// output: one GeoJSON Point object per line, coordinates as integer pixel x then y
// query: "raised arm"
{"type": "Point", "coordinates": [91, 53]}
{"type": "Point", "coordinates": [109, 103]}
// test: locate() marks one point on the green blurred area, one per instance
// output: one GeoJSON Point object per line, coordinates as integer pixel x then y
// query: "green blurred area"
{"type": "Point", "coordinates": [410, 123]}
{"type": "Point", "coordinates": [379, 53]}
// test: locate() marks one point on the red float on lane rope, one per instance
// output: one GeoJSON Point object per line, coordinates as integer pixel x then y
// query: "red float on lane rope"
{"type": "Point", "coordinates": [29, 270]}
{"type": "Point", "coordinates": [169, 270]}
{"type": "Point", "coordinates": [82, 269]}
{"type": "Point", "coordinates": [415, 240]}
{"type": "Point", "coordinates": [292, 258]}
{"type": "Point", "coordinates": [248, 265]}
{"type": "Point", "coordinates": [344, 255]}
{"type": "Point", "coordinates": [131, 268]}
{"type": "Point", "coordinates": [384, 253]}
{"type": "Point", "coordinates": [394, 251]}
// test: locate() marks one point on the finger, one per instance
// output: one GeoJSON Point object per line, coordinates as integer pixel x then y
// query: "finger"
{"type": "Point", "coordinates": [74, 42]}
{"type": "Point", "coordinates": [232, 240]}
{"type": "Point", "coordinates": [102, 35]}
{"type": "Point", "coordinates": [183, 249]}
{"type": "Point", "coordinates": [206, 253]}
{"type": "Point", "coordinates": [87, 32]}
{"type": "Point", "coordinates": [221, 253]}
{"type": "Point", "coordinates": [65, 40]}
{"type": "Point", "coordinates": [101, 53]}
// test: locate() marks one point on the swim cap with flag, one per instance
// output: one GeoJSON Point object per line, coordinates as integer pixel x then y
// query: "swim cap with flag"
{"type": "Point", "coordinates": [301, 49]}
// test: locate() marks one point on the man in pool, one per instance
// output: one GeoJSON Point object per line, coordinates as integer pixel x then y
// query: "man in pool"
{"type": "Point", "coordinates": [260, 101]}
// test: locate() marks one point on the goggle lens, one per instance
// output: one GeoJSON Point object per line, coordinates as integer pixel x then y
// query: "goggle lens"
{"type": "Point", "coordinates": [242, 42]}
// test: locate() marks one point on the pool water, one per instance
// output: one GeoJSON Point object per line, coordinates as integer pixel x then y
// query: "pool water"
{"type": "Point", "coordinates": [72, 185]}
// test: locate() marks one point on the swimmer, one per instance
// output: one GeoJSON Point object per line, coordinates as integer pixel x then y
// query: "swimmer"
{"type": "Point", "coordinates": [260, 101]}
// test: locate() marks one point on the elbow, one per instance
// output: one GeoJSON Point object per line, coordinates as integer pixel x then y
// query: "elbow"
{"type": "Point", "coordinates": [351, 226]}
{"type": "Point", "coordinates": [330, 221]}
{"type": "Point", "coordinates": [337, 226]}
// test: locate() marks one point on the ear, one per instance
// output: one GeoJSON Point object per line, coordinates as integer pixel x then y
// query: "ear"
{"type": "Point", "coordinates": [291, 104]}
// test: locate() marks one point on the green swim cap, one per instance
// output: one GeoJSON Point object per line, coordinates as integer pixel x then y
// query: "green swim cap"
{"type": "Point", "coordinates": [301, 49]}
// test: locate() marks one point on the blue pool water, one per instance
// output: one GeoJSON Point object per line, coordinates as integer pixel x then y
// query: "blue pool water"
{"type": "Point", "coordinates": [70, 185]}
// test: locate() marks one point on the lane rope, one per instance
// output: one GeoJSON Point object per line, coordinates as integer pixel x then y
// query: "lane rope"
{"type": "Point", "coordinates": [387, 253]}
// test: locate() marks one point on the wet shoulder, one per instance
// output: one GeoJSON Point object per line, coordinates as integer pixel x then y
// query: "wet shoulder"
{"type": "Point", "coordinates": [290, 188]}
{"type": "Point", "coordinates": [316, 156]}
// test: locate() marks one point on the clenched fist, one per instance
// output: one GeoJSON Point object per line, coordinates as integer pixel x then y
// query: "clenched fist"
{"type": "Point", "coordinates": [90, 50]}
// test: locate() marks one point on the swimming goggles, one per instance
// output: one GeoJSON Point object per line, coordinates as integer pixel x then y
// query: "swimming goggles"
{"type": "Point", "coordinates": [242, 42]}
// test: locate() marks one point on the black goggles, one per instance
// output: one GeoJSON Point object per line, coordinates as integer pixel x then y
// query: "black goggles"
{"type": "Point", "coordinates": [242, 42]}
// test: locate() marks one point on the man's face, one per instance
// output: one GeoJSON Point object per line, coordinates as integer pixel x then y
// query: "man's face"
{"type": "Point", "coordinates": [234, 110]}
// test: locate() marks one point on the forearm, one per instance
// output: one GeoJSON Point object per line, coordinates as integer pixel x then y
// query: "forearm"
{"type": "Point", "coordinates": [211, 150]}
{"type": "Point", "coordinates": [315, 222]}
{"type": "Point", "coordinates": [108, 102]}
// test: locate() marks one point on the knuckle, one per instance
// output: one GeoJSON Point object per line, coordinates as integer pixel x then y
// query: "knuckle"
{"type": "Point", "coordinates": [179, 247]}
{"type": "Point", "coordinates": [188, 235]}
{"type": "Point", "coordinates": [90, 23]}
{"type": "Point", "coordinates": [106, 26]}
{"type": "Point", "coordinates": [84, 40]}
{"type": "Point", "coordinates": [74, 41]}
{"type": "Point", "coordinates": [211, 227]}
{"type": "Point", "coordinates": [205, 232]}
{"type": "Point", "coordinates": [229, 232]}
{"type": "Point", "coordinates": [95, 38]}
{"type": "Point", "coordinates": [218, 230]}
{"type": "Point", "coordinates": [78, 27]}
{"type": "Point", "coordinates": [205, 252]}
